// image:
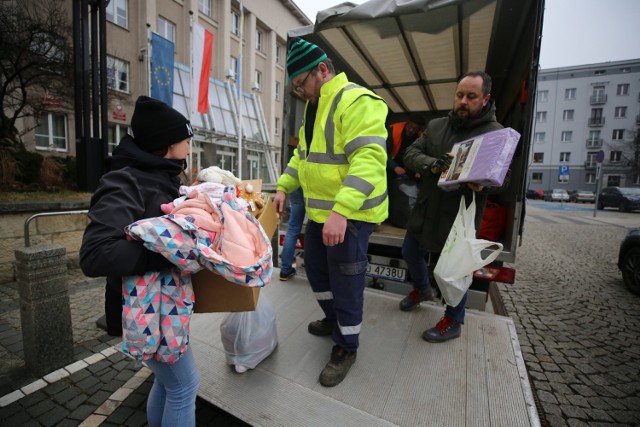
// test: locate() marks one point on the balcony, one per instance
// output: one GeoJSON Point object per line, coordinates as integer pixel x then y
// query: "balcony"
{"type": "Point", "coordinates": [596, 121]}
{"type": "Point", "coordinates": [590, 164]}
{"type": "Point", "coordinates": [598, 99]}
{"type": "Point", "coordinates": [594, 143]}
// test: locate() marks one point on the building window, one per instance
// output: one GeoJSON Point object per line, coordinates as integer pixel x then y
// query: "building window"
{"type": "Point", "coordinates": [51, 132]}
{"type": "Point", "coordinates": [618, 134]}
{"type": "Point", "coordinates": [538, 157]}
{"type": "Point", "coordinates": [541, 116]}
{"type": "Point", "coordinates": [233, 65]}
{"type": "Point", "coordinates": [117, 12]}
{"type": "Point", "coordinates": [117, 74]}
{"type": "Point", "coordinates": [620, 112]}
{"type": "Point", "coordinates": [613, 181]}
{"type": "Point", "coordinates": [259, 40]}
{"type": "Point", "coordinates": [565, 156]}
{"type": "Point", "coordinates": [259, 79]}
{"type": "Point", "coordinates": [636, 179]}
{"type": "Point", "coordinates": [615, 156]}
{"type": "Point", "coordinates": [591, 159]}
{"type": "Point", "coordinates": [115, 134]}
{"type": "Point", "coordinates": [623, 89]}
{"type": "Point", "coordinates": [590, 178]}
{"type": "Point", "coordinates": [277, 90]}
{"type": "Point", "coordinates": [540, 137]}
{"type": "Point", "coordinates": [279, 53]}
{"type": "Point", "coordinates": [570, 94]}
{"type": "Point", "coordinates": [277, 126]}
{"type": "Point", "coordinates": [166, 29]}
{"type": "Point", "coordinates": [536, 177]}
{"type": "Point", "coordinates": [600, 72]}
{"type": "Point", "coordinates": [204, 6]}
{"type": "Point", "coordinates": [566, 136]}
{"type": "Point", "coordinates": [543, 95]}
{"type": "Point", "coordinates": [567, 115]}
{"type": "Point", "coordinates": [235, 23]}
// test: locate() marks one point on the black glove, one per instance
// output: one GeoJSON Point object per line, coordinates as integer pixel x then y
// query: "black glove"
{"type": "Point", "coordinates": [441, 164]}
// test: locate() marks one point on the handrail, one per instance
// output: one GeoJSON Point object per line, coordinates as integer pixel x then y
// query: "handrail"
{"type": "Point", "coordinates": [26, 223]}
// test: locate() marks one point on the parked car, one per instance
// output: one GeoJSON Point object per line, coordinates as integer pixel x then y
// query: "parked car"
{"type": "Point", "coordinates": [535, 194]}
{"type": "Point", "coordinates": [629, 260]}
{"type": "Point", "coordinates": [556, 195]}
{"type": "Point", "coordinates": [582, 196]}
{"type": "Point", "coordinates": [623, 198]}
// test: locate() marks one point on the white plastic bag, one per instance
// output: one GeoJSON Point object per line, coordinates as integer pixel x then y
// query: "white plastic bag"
{"type": "Point", "coordinates": [249, 337]}
{"type": "Point", "coordinates": [462, 255]}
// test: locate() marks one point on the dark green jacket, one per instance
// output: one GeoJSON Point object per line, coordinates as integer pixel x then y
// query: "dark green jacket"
{"type": "Point", "coordinates": [435, 210]}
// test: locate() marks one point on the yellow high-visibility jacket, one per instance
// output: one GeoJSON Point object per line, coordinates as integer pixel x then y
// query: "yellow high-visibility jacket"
{"type": "Point", "coordinates": [344, 170]}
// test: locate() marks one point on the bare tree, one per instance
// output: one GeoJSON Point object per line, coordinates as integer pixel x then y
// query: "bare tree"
{"type": "Point", "coordinates": [36, 63]}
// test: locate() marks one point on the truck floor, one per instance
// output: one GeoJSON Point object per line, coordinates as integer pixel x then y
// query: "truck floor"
{"type": "Point", "coordinates": [398, 378]}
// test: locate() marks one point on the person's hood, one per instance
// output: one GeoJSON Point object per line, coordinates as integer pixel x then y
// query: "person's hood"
{"type": "Point", "coordinates": [128, 154]}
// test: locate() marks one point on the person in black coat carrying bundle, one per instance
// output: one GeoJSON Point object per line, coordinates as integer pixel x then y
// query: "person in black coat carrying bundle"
{"type": "Point", "coordinates": [143, 174]}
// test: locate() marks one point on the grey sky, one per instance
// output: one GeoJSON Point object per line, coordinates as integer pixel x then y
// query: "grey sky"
{"type": "Point", "coordinates": [575, 32]}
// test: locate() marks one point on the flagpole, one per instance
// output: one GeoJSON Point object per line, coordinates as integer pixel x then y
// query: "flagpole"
{"type": "Point", "coordinates": [239, 100]}
{"type": "Point", "coordinates": [190, 104]}
{"type": "Point", "coordinates": [149, 47]}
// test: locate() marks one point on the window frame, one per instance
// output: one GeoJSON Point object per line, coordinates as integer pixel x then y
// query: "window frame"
{"type": "Point", "coordinates": [112, 6]}
{"type": "Point", "coordinates": [536, 177]}
{"type": "Point", "coordinates": [541, 117]}
{"type": "Point", "coordinates": [570, 94]}
{"type": "Point", "coordinates": [538, 140]}
{"type": "Point", "coordinates": [565, 156]}
{"type": "Point", "coordinates": [258, 77]}
{"type": "Point", "coordinates": [235, 23]}
{"type": "Point", "coordinates": [538, 157]}
{"type": "Point", "coordinates": [567, 115]}
{"type": "Point", "coordinates": [622, 89]}
{"type": "Point", "coordinates": [615, 156]}
{"type": "Point", "coordinates": [51, 146]}
{"type": "Point", "coordinates": [620, 112]}
{"type": "Point", "coordinates": [617, 135]}
{"type": "Point", "coordinates": [277, 89]}
{"type": "Point", "coordinates": [118, 81]}
{"type": "Point", "coordinates": [259, 40]}
{"type": "Point", "coordinates": [543, 95]}
{"type": "Point", "coordinates": [566, 136]}
{"type": "Point", "coordinates": [166, 28]}
{"type": "Point", "coordinates": [203, 5]}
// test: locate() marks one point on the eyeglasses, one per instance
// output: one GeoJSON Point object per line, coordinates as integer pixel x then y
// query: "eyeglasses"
{"type": "Point", "coordinates": [299, 88]}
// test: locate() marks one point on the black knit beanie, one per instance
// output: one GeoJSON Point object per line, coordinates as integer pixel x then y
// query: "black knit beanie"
{"type": "Point", "coordinates": [155, 125]}
{"type": "Point", "coordinates": [303, 56]}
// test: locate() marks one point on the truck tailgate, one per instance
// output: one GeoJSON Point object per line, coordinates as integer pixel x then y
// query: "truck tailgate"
{"type": "Point", "coordinates": [398, 379]}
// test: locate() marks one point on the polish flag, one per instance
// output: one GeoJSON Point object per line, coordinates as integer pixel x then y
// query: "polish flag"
{"type": "Point", "coordinates": [202, 52]}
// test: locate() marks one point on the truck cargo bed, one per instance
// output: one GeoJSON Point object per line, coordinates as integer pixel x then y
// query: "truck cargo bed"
{"type": "Point", "coordinates": [397, 380]}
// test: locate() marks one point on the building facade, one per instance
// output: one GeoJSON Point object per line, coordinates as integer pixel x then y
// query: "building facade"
{"type": "Point", "coordinates": [249, 48]}
{"type": "Point", "coordinates": [587, 121]}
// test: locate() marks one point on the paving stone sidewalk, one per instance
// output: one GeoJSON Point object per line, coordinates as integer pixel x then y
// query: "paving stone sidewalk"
{"type": "Point", "coordinates": [102, 386]}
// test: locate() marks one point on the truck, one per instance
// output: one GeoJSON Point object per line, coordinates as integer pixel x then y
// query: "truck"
{"type": "Point", "coordinates": [412, 53]}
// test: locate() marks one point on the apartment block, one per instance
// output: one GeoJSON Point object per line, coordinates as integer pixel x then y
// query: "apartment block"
{"type": "Point", "coordinates": [248, 64]}
{"type": "Point", "coordinates": [587, 122]}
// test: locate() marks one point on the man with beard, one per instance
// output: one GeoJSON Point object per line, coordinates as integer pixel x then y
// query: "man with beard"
{"type": "Point", "coordinates": [435, 210]}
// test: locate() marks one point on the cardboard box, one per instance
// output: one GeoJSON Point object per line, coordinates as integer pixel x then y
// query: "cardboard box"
{"type": "Point", "coordinates": [215, 294]}
{"type": "Point", "coordinates": [483, 159]}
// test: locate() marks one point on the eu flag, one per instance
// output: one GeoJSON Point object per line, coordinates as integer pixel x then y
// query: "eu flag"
{"type": "Point", "coordinates": [161, 69]}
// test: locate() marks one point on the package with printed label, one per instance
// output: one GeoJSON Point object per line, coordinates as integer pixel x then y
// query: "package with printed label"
{"type": "Point", "coordinates": [483, 160]}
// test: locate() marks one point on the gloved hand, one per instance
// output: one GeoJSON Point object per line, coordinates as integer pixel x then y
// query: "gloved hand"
{"type": "Point", "coordinates": [441, 164]}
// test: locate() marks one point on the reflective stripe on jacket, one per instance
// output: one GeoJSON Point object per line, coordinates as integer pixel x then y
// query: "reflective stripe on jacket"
{"type": "Point", "coordinates": [344, 170]}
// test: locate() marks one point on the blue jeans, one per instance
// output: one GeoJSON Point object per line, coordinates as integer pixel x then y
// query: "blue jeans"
{"type": "Point", "coordinates": [172, 399]}
{"type": "Point", "coordinates": [337, 277]}
{"type": "Point", "coordinates": [296, 218]}
{"type": "Point", "coordinates": [415, 257]}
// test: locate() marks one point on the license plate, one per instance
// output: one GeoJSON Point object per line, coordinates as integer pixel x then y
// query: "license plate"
{"type": "Point", "coordinates": [386, 272]}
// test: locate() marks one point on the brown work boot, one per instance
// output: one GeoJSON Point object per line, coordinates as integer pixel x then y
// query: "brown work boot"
{"type": "Point", "coordinates": [337, 368]}
{"type": "Point", "coordinates": [321, 328]}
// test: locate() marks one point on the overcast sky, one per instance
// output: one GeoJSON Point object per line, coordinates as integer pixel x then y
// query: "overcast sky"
{"type": "Point", "coordinates": [575, 32]}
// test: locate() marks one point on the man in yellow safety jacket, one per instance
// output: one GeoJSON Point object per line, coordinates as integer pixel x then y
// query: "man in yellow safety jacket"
{"type": "Point", "coordinates": [340, 164]}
